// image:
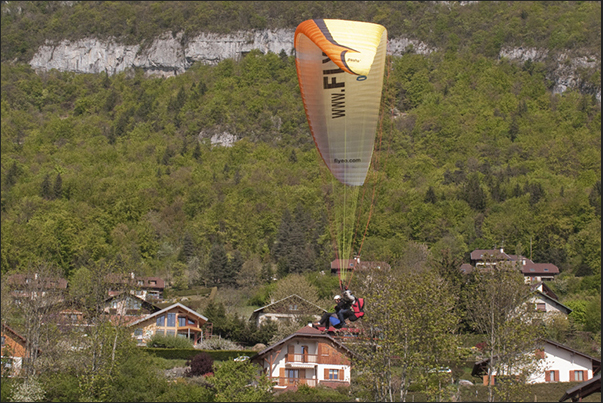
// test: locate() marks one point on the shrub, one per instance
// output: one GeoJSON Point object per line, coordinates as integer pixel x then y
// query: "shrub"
{"type": "Point", "coordinates": [218, 343]}
{"type": "Point", "coordinates": [200, 364]}
{"type": "Point", "coordinates": [169, 342]}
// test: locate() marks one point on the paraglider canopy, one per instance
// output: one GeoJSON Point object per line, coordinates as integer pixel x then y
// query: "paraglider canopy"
{"type": "Point", "coordinates": [340, 68]}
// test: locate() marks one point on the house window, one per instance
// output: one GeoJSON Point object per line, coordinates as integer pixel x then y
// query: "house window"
{"type": "Point", "coordinates": [333, 373]}
{"type": "Point", "coordinates": [171, 320]}
{"type": "Point", "coordinates": [161, 320]}
{"type": "Point", "coordinates": [191, 322]}
{"type": "Point", "coordinates": [170, 332]}
{"type": "Point", "coordinates": [114, 304]}
{"type": "Point", "coordinates": [552, 376]}
{"type": "Point", "coordinates": [138, 332]}
{"type": "Point", "coordinates": [579, 376]}
{"type": "Point", "coordinates": [532, 269]}
{"type": "Point", "coordinates": [181, 321]}
{"type": "Point", "coordinates": [3, 340]}
{"type": "Point", "coordinates": [160, 332]}
{"type": "Point", "coordinates": [139, 282]}
{"type": "Point", "coordinates": [546, 269]}
{"type": "Point", "coordinates": [293, 307]}
{"type": "Point", "coordinates": [133, 304]}
{"type": "Point", "coordinates": [293, 373]}
{"type": "Point", "coordinates": [153, 282]}
{"type": "Point", "coordinates": [541, 306]}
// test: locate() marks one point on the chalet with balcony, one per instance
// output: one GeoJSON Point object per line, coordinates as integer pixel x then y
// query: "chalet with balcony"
{"type": "Point", "coordinates": [174, 320]}
{"type": "Point", "coordinates": [307, 357]}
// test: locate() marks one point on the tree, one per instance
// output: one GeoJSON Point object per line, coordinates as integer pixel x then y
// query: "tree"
{"type": "Point", "coordinates": [295, 284]}
{"type": "Point", "coordinates": [57, 190]}
{"type": "Point", "coordinates": [217, 263]}
{"type": "Point", "coordinates": [474, 194]}
{"type": "Point", "coordinates": [233, 268]}
{"type": "Point", "coordinates": [409, 325]}
{"type": "Point", "coordinates": [37, 291]}
{"type": "Point", "coordinates": [46, 189]}
{"type": "Point", "coordinates": [497, 303]}
{"type": "Point", "coordinates": [238, 381]}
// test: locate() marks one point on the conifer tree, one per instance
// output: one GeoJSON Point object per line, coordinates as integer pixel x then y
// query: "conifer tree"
{"type": "Point", "coordinates": [57, 190]}
{"type": "Point", "coordinates": [46, 190]}
{"type": "Point", "coordinates": [217, 263]}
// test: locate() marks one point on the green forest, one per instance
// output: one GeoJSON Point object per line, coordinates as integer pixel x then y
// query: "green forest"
{"type": "Point", "coordinates": [477, 151]}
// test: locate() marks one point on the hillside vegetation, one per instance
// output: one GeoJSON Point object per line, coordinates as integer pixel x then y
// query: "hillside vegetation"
{"type": "Point", "coordinates": [126, 171]}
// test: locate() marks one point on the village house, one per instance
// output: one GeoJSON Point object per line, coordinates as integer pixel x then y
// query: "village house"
{"type": "Point", "coordinates": [36, 286]}
{"type": "Point", "coordinates": [14, 350]}
{"type": "Point", "coordinates": [489, 258]}
{"type": "Point", "coordinates": [560, 363]}
{"type": "Point", "coordinates": [174, 320]}
{"type": "Point", "coordinates": [147, 288]}
{"type": "Point", "coordinates": [307, 357]}
{"type": "Point", "coordinates": [125, 307]}
{"type": "Point", "coordinates": [292, 308]}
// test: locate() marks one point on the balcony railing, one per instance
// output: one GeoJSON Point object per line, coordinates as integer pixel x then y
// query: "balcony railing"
{"type": "Point", "coordinates": [302, 358]}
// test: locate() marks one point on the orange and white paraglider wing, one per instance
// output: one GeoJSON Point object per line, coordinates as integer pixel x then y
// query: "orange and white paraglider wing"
{"type": "Point", "coordinates": [340, 68]}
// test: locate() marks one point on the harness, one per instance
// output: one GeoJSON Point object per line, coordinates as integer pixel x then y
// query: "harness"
{"type": "Point", "coordinates": [357, 309]}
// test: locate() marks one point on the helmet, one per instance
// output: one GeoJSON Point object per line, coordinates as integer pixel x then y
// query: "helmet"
{"type": "Point", "coordinates": [337, 297]}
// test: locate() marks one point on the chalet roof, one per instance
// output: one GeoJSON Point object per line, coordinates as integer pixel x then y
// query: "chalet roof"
{"type": "Point", "coordinates": [586, 388]}
{"type": "Point", "coordinates": [126, 294]}
{"type": "Point", "coordinates": [7, 329]}
{"type": "Point", "coordinates": [166, 309]}
{"type": "Point", "coordinates": [553, 301]}
{"type": "Point", "coordinates": [305, 332]}
{"type": "Point", "coordinates": [531, 268]}
{"type": "Point", "coordinates": [466, 268]}
{"type": "Point", "coordinates": [545, 289]}
{"type": "Point", "coordinates": [259, 310]}
{"type": "Point", "coordinates": [481, 254]}
{"type": "Point", "coordinates": [479, 366]}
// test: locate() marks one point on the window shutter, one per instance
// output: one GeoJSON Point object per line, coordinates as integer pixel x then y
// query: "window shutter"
{"type": "Point", "coordinates": [547, 376]}
{"type": "Point", "coordinates": [556, 375]}
{"type": "Point", "coordinates": [326, 373]}
{"type": "Point", "coordinates": [302, 373]}
{"type": "Point", "coordinates": [340, 375]}
{"type": "Point", "coordinates": [281, 379]}
{"type": "Point", "coordinates": [572, 376]}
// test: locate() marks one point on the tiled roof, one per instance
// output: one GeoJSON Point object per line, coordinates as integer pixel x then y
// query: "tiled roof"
{"type": "Point", "coordinates": [539, 268]}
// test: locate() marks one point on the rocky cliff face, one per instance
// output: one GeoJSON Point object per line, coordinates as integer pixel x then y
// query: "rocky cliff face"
{"type": "Point", "coordinates": [171, 54]}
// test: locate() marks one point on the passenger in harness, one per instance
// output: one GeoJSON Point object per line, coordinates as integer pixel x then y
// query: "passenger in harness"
{"type": "Point", "coordinates": [355, 310]}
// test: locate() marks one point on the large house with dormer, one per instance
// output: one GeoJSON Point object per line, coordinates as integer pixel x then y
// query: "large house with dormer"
{"type": "Point", "coordinates": [307, 357]}
{"type": "Point", "coordinates": [489, 258]}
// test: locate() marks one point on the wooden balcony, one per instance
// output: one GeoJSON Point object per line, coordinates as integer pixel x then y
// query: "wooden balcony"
{"type": "Point", "coordinates": [302, 358]}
